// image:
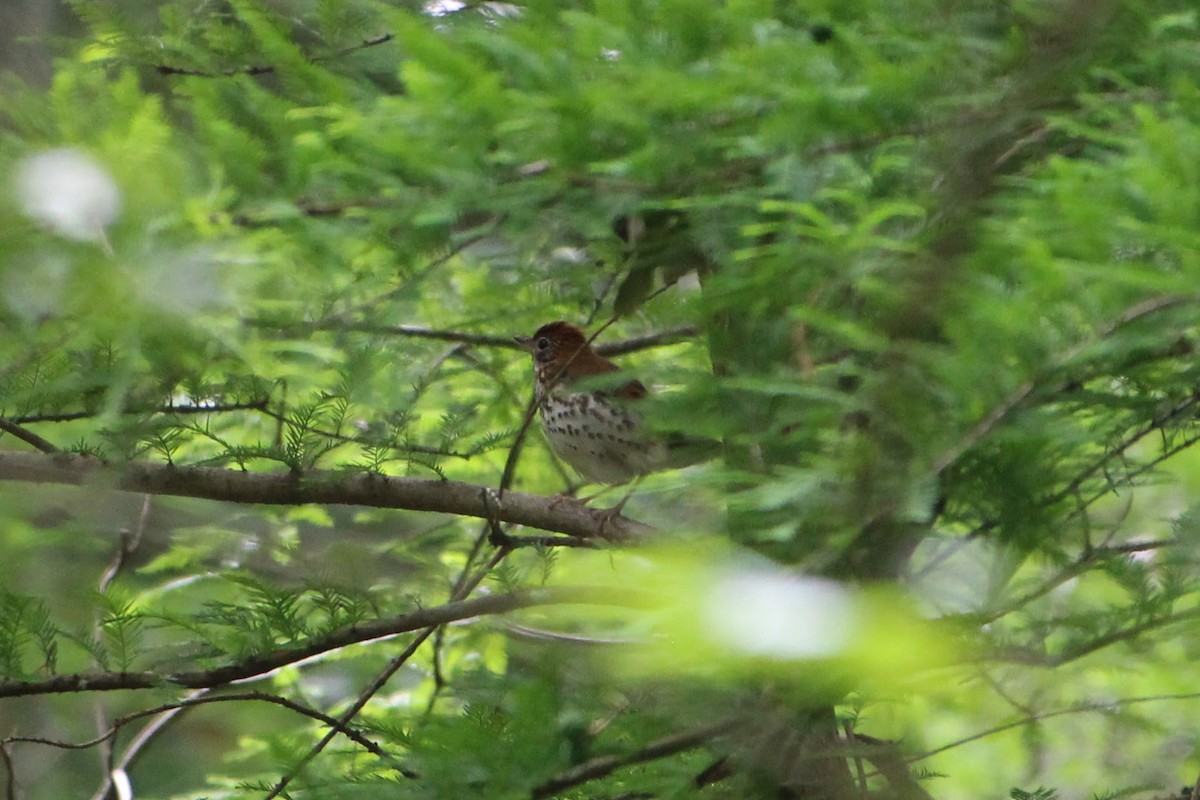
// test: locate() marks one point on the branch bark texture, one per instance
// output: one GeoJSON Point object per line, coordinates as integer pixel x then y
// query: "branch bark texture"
{"type": "Point", "coordinates": [554, 514]}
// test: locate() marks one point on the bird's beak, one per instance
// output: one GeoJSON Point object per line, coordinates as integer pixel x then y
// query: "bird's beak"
{"type": "Point", "coordinates": [526, 342]}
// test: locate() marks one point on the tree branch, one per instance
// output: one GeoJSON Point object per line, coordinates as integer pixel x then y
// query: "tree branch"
{"type": "Point", "coordinates": [886, 758]}
{"type": "Point", "coordinates": [258, 665]}
{"type": "Point", "coordinates": [631, 345]}
{"type": "Point", "coordinates": [267, 69]}
{"type": "Point", "coordinates": [322, 486]}
{"type": "Point", "coordinates": [601, 766]}
{"type": "Point", "coordinates": [197, 408]}
{"type": "Point", "coordinates": [10, 772]}
{"type": "Point", "coordinates": [29, 437]}
{"type": "Point", "coordinates": [191, 702]}
{"type": "Point", "coordinates": [1104, 707]}
{"type": "Point", "coordinates": [1039, 657]}
{"type": "Point", "coordinates": [1088, 560]}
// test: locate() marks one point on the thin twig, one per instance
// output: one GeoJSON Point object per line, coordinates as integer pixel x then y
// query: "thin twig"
{"type": "Point", "coordinates": [601, 766]}
{"type": "Point", "coordinates": [164, 713]}
{"type": "Point", "coordinates": [10, 771]}
{"type": "Point", "coordinates": [405, 331]}
{"type": "Point", "coordinates": [216, 408]}
{"type": "Point", "coordinates": [1086, 561]}
{"type": "Point", "coordinates": [888, 762]}
{"type": "Point", "coordinates": [633, 344]}
{"type": "Point", "coordinates": [602, 295]}
{"type": "Point", "coordinates": [1099, 643]}
{"type": "Point", "coordinates": [267, 69]}
{"type": "Point", "coordinates": [1084, 708]}
{"type": "Point", "coordinates": [444, 258]}
{"type": "Point", "coordinates": [538, 635]}
{"type": "Point", "coordinates": [857, 758]}
{"type": "Point", "coordinates": [459, 589]}
{"type": "Point", "coordinates": [127, 542]}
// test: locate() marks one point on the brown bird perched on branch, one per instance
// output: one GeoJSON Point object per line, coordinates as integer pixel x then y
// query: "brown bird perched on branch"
{"type": "Point", "coordinates": [588, 420]}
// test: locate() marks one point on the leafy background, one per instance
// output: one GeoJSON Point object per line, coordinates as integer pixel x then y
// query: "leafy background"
{"type": "Point", "coordinates": [931, 278]}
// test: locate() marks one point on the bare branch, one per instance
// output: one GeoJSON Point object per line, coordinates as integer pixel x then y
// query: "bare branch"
{"type": "Point", "coordinates": [128, 542]}
{"type": "Point", "coordinates": [10, 770]}
{"type": "Point", "coordinates": [1039, 657]}
{"type": "Point", "coordinates": [1087, 560]}
{"type": "Point", "coordinates": [258, 665]}
{"type": "Point", "coordinates": [250, 69]}
{"type": "Point", "coordinates": [623, 347]}
{"type": "Point", "coordinates": [886, 758]}
{"type": "Point", "coordinates": [321, 486]}
{"type": "Point", "coordinates": [647, 341]}
{"type": "Point", "coordinates": [267, 69]}
{"type": "Point", "coordinates": [528, 634]}
{"type": "Point", "coordinates": [198, 408]}
{"type": "Point", "coordinates": [29, 437]}
{"type": "Point", "coordinates": [201, 699]}
{"type": "Point", "coordinates": [1103, 707]}
{"type": "Point", "coordinates": [1122, 635]}
{"type": "Point", "coordinates": [601, 766]}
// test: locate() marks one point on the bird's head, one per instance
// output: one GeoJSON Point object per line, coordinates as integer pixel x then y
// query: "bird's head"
{"type": "Point", "coordinates": [562, 356]}
{"type": "Point", "coordinates": [555, 345]}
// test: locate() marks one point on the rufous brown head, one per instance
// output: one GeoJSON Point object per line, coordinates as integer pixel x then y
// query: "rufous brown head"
{"type": "Point", "coordinates": [554, 344]}
{"type": "Point", "coordinates": [562, 355]}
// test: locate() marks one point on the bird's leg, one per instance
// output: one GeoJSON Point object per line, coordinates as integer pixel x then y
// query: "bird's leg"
{"type": "Point", "coordinates": [567, 494]}
{"type": "Point", "coordinates": [609, 514]}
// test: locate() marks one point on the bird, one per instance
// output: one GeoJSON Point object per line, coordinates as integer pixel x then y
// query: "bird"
{"type": "Point", "coordinates": [585, 407]}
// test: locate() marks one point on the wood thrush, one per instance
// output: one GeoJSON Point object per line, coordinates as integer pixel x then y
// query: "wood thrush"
{"type": "Point", "coordinates": [588, 420]}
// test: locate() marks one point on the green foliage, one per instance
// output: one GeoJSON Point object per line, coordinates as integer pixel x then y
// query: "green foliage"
{"type": "Point", "coordinates": [121, 628]}
{"type": "Point", "coordinates": [937, 263]}
{"type": "Point", "coordinates": [24, 625]}
{"type": "Point", "coordinates": [262, 617]}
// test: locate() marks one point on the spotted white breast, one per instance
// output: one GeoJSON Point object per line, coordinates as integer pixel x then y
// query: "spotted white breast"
{"type": "Point", "coordinates": [598, 437]}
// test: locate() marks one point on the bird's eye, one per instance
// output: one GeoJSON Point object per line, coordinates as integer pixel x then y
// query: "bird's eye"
{"type": "Point", "coordinates": [543, 343]}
